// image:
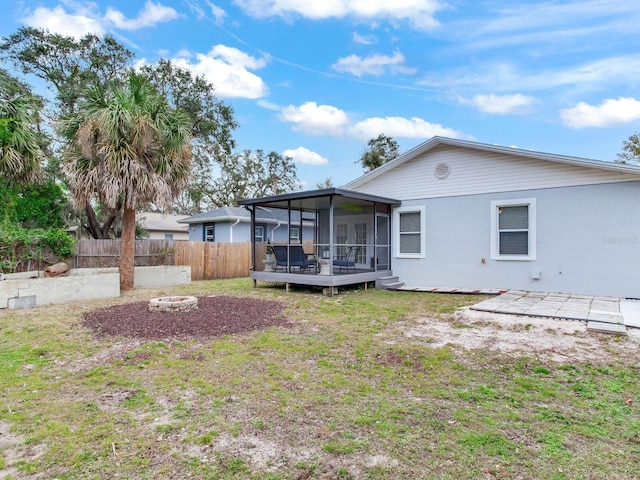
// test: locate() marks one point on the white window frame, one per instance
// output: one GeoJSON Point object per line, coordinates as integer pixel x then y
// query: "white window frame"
{"type": "Point", "coordinates": [294, 234]}
{"type": "Point", "coordinates": [495, 236]}
{"type": "Point", "coordinates": [207, 237]}
{"type": "Point", "coordinates": [396, 231]}
{"type": "Point", "coordinates": [262, 235]}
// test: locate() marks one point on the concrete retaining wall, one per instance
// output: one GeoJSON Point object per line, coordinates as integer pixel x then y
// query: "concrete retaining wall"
{"type": "Point", "coordinates": [32, 289]}
{"type": "Point", "coordinates": [163, 276]}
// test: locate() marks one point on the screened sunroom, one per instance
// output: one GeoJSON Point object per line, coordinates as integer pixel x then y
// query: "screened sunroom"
{"type": "Point", "coordinates": [333, 237]}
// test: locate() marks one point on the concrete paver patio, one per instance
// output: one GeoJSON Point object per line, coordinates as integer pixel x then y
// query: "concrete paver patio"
{"type": "Point", "coordinates": [602, 314]}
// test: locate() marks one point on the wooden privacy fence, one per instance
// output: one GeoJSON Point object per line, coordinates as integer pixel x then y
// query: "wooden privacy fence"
{"type": "Point", "coordinates": [106, 253]}
{"type": "Point", "coordinates": [208, 260]}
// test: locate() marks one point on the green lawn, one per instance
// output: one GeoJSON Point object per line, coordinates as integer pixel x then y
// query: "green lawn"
{"type": "Point", "coordinates": [341, 393]}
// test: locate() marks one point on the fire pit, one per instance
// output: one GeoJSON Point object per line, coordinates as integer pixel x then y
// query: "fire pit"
{"type": "Point", "coordinates": [173, 304]}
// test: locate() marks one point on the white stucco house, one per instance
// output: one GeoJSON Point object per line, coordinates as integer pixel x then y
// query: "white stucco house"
{"type": "Point", "coordinates": [467, 215]}
{"type": "Point", "coordinates": [482, 216]}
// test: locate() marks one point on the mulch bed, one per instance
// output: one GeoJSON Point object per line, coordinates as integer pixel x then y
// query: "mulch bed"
{"type": "Point", "coordinates": [214, 317]}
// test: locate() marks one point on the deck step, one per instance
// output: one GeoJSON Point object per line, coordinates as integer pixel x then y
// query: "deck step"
{"type": "Point", "coordinates": [389, 282]}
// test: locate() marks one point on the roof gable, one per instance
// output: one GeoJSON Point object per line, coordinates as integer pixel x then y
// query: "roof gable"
{"type": "Point", "coordinates": [447, 167]}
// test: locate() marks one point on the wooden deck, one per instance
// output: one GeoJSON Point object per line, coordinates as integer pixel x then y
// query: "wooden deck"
{"type": "Point", "coordinates": [311, 278]}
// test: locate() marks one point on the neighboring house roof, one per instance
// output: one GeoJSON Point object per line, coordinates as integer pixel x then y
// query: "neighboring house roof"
{"type": "Point", "coordinates": [437, 141]}
{"type": "Point", "coordinates": [232, 214]}
{"type": "Point", "coordinates": [161, 222]}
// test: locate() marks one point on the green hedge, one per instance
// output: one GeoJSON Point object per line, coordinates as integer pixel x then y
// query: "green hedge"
{"type": "Point", "coordinates": [20, 245]}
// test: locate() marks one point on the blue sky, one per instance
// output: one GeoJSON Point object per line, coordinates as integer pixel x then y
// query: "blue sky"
{"type": "Point", "coordinates": [315, 79]}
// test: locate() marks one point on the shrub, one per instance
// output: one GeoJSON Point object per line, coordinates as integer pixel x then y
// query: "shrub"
{"type": "Point", "coordinates": [39, 246]}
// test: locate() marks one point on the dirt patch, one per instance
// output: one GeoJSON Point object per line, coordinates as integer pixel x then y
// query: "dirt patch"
{"type": "Point", "coordinates": [551, 339]}
{"type": "Point", "coordinates": [13, 449]}
{"type": "Point", "coordinates": [215, 316]}
{"type": "Point", "coordinates": [114, 400]}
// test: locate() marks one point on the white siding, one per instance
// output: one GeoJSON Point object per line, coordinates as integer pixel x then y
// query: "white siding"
{"type": "Point", "coordinates": [476, 172]}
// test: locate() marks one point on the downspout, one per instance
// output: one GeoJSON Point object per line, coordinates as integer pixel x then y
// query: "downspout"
{"type": "Point", "coordinates": [231, 230]}
{"type": "Point", "coordinates": [274, 229]}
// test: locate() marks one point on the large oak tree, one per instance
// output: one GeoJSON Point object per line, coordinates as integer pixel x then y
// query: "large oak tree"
{"type": "Point", "coordinates": [69, 67]}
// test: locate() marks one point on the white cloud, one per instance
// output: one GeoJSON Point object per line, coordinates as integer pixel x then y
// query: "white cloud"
{"type": "Point", "coordinates": [364, 39]}
{"type": "Point", "coordinates": [183, 52]}
{"type": "Point", "coordinates": [554, 27]}
{"type": "Point", "coordinates": [556, 15]}
{"type": "Point", "coordinates": [500, 104]}
{"type": "Point", "coordinates": [227, 69]}
{"type": "Point", "coordinates": [139, 63]}
{"type": "Point", "coordinates": [268, 105]}
{"type": "Point", "coordinates": [332, 121]}
{"type": "Point", "coordinates": [372, 65]}
{"type": "Point", "coordinates": [82, 18]}
{"type": "Point", "coordinates": [217, 11]}
{"type": "Point", "coordinates": [400, 127]}
{"type": "Point", "coordinates": [599, 74]}
{"type": "Point", "coordinates": [316, 119]}
{"type": "Point", "coordinates": [59, 21]}
{"type": "Point", "coordinates": [150, 15]}
{"type": "Point", "coordinates": [609, 113]}
{"type": "Point", "coordinates": [305, 156]}
{"type": "Point", "coordinates": [419, 12]}
{"type": "Point", "coordinates": [237, 57]}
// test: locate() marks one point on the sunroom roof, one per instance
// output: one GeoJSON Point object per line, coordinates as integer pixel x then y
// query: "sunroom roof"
{"type": "Point", "coordinates": [317, 199]}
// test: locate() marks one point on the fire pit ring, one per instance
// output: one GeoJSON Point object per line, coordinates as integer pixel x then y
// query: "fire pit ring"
{"type": "Point", "coordinates": [173, 304]}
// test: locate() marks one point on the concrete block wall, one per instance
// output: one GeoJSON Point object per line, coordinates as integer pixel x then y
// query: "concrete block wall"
{"type": "Point", "coordinates": [35, 292]}
{"type": "Point", "coordinates": [163, 276]}
{"type": "Point", "coordinates": [32, 289]}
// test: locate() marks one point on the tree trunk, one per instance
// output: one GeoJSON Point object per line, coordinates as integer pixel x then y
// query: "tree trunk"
{"type": "Point", "coordinates": [93, 226]}
{"type": "Point", "coordinates": [127, 249]}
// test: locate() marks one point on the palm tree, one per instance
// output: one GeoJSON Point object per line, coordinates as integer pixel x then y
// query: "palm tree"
{"type": "Point", "coordinates": [20, 150]}
{"type": "Point", "coordinates": [127, 146]}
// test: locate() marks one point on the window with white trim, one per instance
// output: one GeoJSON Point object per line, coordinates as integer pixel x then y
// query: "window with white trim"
{"type": "Point", "coordinates": [209, 232]}
{"type": "Point", "coordinates": [409, 232]}
{"type": "Point", "coordinates": [259, 233]}
{"type": "Point", "coordinates": [513, 229]}
{"type": "Point", "coordinates": [294, 234]}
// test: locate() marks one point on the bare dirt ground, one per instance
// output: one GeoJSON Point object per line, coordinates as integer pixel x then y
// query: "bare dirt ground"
{"type": "Point", "coordinates": [550, 339]}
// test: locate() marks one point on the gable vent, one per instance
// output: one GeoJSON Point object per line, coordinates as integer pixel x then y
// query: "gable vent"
{"type": "Point", "coordinates": [442, 170]}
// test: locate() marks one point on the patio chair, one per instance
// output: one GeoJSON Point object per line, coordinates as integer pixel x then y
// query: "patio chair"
{"type": "Point", "coordinates": [348, 260]}
{"type": "Point", "coordinates": [280, 252]}
{"type": "Point", "coordinates": [297, 257]}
